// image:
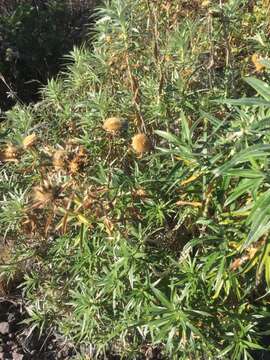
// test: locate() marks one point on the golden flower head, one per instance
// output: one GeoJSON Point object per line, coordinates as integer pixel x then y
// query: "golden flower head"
{"type": "Point", "coordinates": [256, 62]}
{"type": "Point", "coordinates": [113, 124]}
{"type": "Point", "coordinates": [29, 141]}
{"type": "Point", "coordinates": [141, 143]}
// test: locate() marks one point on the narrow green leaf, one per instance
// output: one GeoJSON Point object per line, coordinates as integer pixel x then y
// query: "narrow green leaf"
{"type": "Point", "coordinates": [245, 173]}
{"type": "Point", "coordinates": [252, 345]}
{"type": "Point", "coordinates": [261, 124]}
{"type": "Point", "coordinates": [254, 151]}
{"type": "Point", "coordinates": [245, 185]}
{"type": "Point", "coordinates": [246, 102]}
{"type": "Point", "coordinates": [164, 301]}
{"type": "Point", "coordinates": [170, 137]}
{"type": "Point", "coordinates": [260, 86]}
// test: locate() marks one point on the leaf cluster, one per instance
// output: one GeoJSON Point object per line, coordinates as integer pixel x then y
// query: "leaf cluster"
{"type": "Point", "coordinates": [168, 250]}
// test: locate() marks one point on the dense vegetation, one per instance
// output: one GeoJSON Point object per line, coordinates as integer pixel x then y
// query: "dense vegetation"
{"type": "Point", "coordinates": [135, 195]}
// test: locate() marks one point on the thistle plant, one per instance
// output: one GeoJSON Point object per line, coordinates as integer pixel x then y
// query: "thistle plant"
{"type": "Point", "coordinates": [143, 185]}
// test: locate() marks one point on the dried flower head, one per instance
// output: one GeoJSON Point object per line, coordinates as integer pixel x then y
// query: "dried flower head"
{"type": "Point", "coordinates": [29, 141]}
{"type": "Point", "coordinates": [74, 166]}
{"type": "Point", "coordinates": [113, 124]}
{"type": "Point", "coordinates": [77, 159]}
{"type": "Point", "coordinates": [82, 152]}
{"type": "Point", "coordinates": [42, 196]}
{"type": "Point", "coordinates": [59, 159]}
{"type": "Point", "coordinates": [140, 193]}
{"type": "Point", "coordinates": [256, 62]}
{"type": "Point", "coordinates": [45, 194]}
{"type": "Point", "coordinates": [141, 143]}
{"type": "Point", "coordinates": [9, 153]}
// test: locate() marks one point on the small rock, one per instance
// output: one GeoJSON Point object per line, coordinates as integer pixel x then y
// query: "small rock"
{"type": "Point", "coordinates": [4, 328]}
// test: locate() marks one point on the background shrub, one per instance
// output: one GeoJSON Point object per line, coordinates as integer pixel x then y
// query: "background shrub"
{"type": "Point", "coordinates": [34, 36]}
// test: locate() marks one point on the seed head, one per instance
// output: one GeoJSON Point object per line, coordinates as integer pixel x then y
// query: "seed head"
{"type": "Point", "coordinates": [113, 124]}
{"type": "Point", "coordinates": [141, 143]}
{"type": "Point", "coordinates": [140, 193]}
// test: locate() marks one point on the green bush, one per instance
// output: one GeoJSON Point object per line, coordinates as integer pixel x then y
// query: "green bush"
{"type": "Point", "coordinates": [166, 248]}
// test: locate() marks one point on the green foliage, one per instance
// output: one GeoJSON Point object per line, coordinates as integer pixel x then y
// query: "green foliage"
{"type": "Point", "coordinates": [166, 249]}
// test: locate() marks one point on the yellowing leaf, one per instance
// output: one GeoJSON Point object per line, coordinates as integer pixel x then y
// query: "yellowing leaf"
{"type": "Point", "coordinates": [29, 141]}
{"type": "Point", "coordinates": [82, 219]}
{"type": "Point", "coordinates": [256, 62]}
{"type": "Point", "coordinates": [190, 203]}
{"type": "Point", "coordinates": [190, 179]}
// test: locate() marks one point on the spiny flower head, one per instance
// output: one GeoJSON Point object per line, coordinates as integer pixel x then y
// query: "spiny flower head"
{"type": "Point", "coordinates": [45, 194]}
{"type": "Point", "coordinates": [113, 124]}
{"type": "Point", "coordinates": [141, 143]}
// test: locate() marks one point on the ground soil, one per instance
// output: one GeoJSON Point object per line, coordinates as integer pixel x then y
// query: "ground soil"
{"type": "Point", "coordinates": [17, 342]}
